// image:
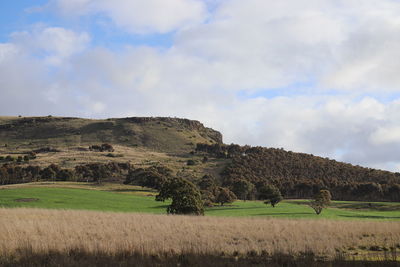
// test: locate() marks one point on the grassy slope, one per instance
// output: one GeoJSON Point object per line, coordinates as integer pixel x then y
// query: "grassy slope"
{"type": "Point", "coordinates": [165, 141]}
{"type": "Point", "coordinates": [134, 199]}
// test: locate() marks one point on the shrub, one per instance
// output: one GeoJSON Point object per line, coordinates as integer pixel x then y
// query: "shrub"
{"type": "Point", "coordinates": [190, 162]}
{"type": "Point", "coordinates": [66, 175]}
{"type": "Point", "coordinates": [152, 177]}
{"type": "Point", "coordinates": [102, 148]}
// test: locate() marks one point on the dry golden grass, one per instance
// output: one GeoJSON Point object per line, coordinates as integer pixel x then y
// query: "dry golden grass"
{"type": "Point", "coordinates": [63, 231]}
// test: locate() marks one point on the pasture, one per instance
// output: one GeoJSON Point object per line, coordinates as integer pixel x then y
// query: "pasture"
{"type": "Point", "coordinates": [121, 198]}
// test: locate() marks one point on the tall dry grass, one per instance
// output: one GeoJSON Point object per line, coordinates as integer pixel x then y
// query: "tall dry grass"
{"type": "Point", "coordinates": [61, 231]}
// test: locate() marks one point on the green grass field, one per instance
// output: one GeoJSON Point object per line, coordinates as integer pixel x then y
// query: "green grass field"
{"type": "Point", "coordinates": [134, 200]}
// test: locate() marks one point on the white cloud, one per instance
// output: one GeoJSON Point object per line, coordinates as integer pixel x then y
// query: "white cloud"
{"type": "Point", "coordinates": [54, 44]}
{"type": "Point", "coordinates": [7, 51]}
{"type": "Point", "coordinates": [388, 135]}
{"type": "Point", "coordinates": [344, 53]}
{"type": "Point", "coordinates": [140, 16]}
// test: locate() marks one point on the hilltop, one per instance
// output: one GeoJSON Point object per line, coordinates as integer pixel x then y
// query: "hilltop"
{"type": "Point", "coordinates": [161, 134]}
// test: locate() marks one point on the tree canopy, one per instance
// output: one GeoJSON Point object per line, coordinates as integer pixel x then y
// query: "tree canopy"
{"type": "Point", "coordinates": [186, 198]}
{"type": "Point", "coordinates": [321, 200]}
{"type": "Point", "coordinates": [270, 194]}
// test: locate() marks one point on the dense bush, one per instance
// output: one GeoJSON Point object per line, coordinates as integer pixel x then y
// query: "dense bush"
{"type": "Point", "coordinates": [102, 148]}
{"type": "Point", "coordinates": [152, 177]}
{"type": "Point", "coordinates": [299, 175]}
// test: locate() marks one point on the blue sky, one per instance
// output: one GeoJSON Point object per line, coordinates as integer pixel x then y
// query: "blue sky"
{"type": "Point", "coordinates": [309, 76]}
{"type": "Point", "coordinates": [22, 14]}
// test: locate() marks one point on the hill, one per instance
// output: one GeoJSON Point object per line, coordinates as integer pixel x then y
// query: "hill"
{"type": "Point", "coordinates": [112, 149]}
{"type": "Point", "coordinates": [170, 135]}
{"type": "Point", "coordinates": [138, 141]}
{"type": "Point", "coordinates": [300, 175]}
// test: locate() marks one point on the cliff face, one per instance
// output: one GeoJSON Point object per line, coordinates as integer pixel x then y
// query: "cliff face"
{"type": "Point", "coordinates": [191, 125]}
{"type": "Point", "coordinates": [156, 133]}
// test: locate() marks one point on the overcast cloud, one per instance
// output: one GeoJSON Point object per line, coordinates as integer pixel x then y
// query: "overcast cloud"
{"type": "Point", "coordinates": [312, 76]}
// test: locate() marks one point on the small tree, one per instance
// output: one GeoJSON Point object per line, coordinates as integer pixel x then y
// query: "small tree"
{"type": "Point", "coordinates": [321, 200]}
{"type": "Point", "coordinates": [224, 195]}
{"type": "Point", "coordinates": [242, 188]}
{"type": "Point", "coordinates": [186, 198]}
{"type": "Point", "coordinates": [270, 194]}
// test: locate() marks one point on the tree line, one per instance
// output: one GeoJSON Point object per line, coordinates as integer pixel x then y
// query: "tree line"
{"type": "Point", "coordinates": [91, 172]}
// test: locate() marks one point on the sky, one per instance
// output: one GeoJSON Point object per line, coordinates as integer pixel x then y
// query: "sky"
{"type": "Point", "coordinates": [312, 76]}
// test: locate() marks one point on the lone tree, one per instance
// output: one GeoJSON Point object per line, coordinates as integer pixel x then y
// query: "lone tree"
{"type": "Point", "coordinates": [270, 194]}
{"type": "Point", "coordinates": [321, 200]}
{"type": "Point", "coordinates": [224, 195]}
{"type": "Point", "coordinates": [186, 198]}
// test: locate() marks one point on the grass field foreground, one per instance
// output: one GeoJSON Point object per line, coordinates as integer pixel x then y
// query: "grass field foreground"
{"type": "Point", "coordinates": [63, 231]}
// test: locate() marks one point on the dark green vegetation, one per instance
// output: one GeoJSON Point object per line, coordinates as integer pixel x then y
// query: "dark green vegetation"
{"type": "Point", "coordinates": [299, 175]}
{"type": "Point", "coordinates": [186, 198]}
{"type": "Point", "coordinates": [270, 194]}
{"type": "Point", "coordinates": [136, 200]}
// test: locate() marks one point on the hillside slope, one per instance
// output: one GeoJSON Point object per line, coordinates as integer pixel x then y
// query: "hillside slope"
{"type": "Point", "coordinates": [170, 135]}
{"type": "Point", "coordinates": [300, 175]}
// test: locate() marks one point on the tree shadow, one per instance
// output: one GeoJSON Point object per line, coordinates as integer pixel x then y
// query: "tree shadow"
{"type": "Point", "coordinates": [370, 216]}
{"type": "Point", "coordinates": [367, 206]}
{"type": "Point", "coordinates": [217, 208]}
{"type": "Point", "coordinates": [158, 207]}
{"type": "Point", "coordinates": [284, 213]}
{"type": "Point", "coordinates": [131, 190]}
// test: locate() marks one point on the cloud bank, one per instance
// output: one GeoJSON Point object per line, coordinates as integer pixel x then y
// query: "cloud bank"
{"type": "Point", "coordinates": [311, 76]}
